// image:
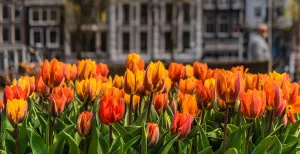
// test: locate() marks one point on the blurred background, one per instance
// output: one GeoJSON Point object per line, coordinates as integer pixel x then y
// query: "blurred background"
{"type": "Point", "coordinates": [222, 33]}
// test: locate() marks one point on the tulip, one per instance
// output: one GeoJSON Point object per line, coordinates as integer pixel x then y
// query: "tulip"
{"type": "Point", "coordinates": [14, 92]}
{"type": "Point", "coordinates": [152, 134]}
{"type": "Point", "coordinates": [240, 69]}
{"type": "Point", "coordinates": [278, 78]}
{"type": "Point", "coordinates": [88, 89]}
{"type": "Point", "coordinates": [176, 71]}
{"type": "Point", "coordinates": [155, 77]}
{"type": "Point", "coordinates": [102, 69]}
{"type": "Point", "coordinates": [142, 92]}
{"type": "Point", "coordinates": [160, 102]}
{"type": "Point", "coordinates": [189, 105]}
{"type": "Point", "coordinates": [189, 71]}
{"type": "Point", "coordinates": [118, 82]}
{"type": "Point", "coordinates": [251, 82]}
{"type": "Point", "coordinates": [57, 101]}
{"type": "Point", "coordinates": [228, 86]}
{"type": "Point", "coordinates": [1, 106]}
{"type": "Point", "coordinates": [26, 82]}
{"type": "Point", "coordinates": [253, 103]}
{"type": "Point", "coordinates": [41, 88]}
{"type": "Point", "coordinates": [205, 94]}
{"type": "Point", "coordinates": [200, 70]}
{"type": "Point", "coordinates": [115, 92]}
{"type": "Point", "coordinates": [71, 72]}
{"type": "Point", "coordinates": [133, 81]}
{"type": "Point", "coordinates": [105, 85]}
{"type": "Point", "coordinates": [53, 73]}
{"type": "Point", "coordinates": [135, 100]}
{"type": "Point", "coordinates": [16, 110]}
{"type": "Point", "coordinates": [182, 124]}
{"type": "Point", "coordinates": [134, 63]}
{"type": "Point", "coordinates": [168, 85]}
{"type": "Point", "coordinates": [289, 91]}
{"type": "Point", "coordinates": [187, 86]}
{"type": "Point", "coordinates": [291, 117]}
{"type": "Point", "coordinates": [221, 104]}
{"type": "Point", "coordinates": [86, 69]}
{"type": "Point", "coordinates": [273, 94]}
{"type": "Point", "coordinates": [173, 106]}
{"type": "Point", "coordinates": [278, 112]}
{"type": "Point", "coordinates": [111, 111]}
{"type": "Point", "coordinates": [84, 123]}
{"type": "Point", "coordinates": [69, 93]}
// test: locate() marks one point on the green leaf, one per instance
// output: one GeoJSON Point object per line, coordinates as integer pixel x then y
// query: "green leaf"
{"type": "Point", "coordinates": [165, 148]}
{"type": "Point", "coordinates": [144, 143]}
{"type": "Point", "coordinates": [115, 145]}
{"type": "Point", "coordinates": [2, 152]}
{"type": "Point", "coordinates": [94, 146]}
{"type": "Point", "coordinates": [121, 131]}
{"type": "Point", "coordinates": [73, 148]}
{"type": "Point", "coordinates": [290, 147]}
{"type": "Point", "coordinates": [130, 143]}
{"type": "Point", "coordinates": [154, 115]}
{"type": "Point", "coordinates": [277, 146]}
{"type": "Point", "coordinates": [294, 128]}
{"type": "Point", "coordinates": [205, 151]}
{"type": "Point", "coordinates": [231, 128]}
{"type": "Point", "coordinates": [57, 147]}
{"type": "Point", "coordinates": [264, 145]}
{"type": "Point", "coordinates": [192, 134]}
{"type": "Point", "coordinates": [23, 139]}
{"type": "Point", "coordinates": [204, 143]}
{"type": "Point", "coordinates": [232, 151]}
{"type": "Point", "coordinates": [36, 142]}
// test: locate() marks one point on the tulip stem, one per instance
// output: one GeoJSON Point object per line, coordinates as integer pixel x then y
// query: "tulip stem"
{"type": "Point", "coordinates": [149, 107]}
{"type": "Point", "coordinates": [248, 138]}
{"type": "Point", "coordinates": [202, 117]}
{"type": "Point", "coordinates": [130, 109]}
{"type": "Point", "coordinates": [110, 134]}
{"type": "Point", "coordinates": [51, 133]}
{"type": "Point", "coordinates": [84, 146]}
{"type": "Point", "coordinates": [16, 139]}
{"type": "Point", "coordinates": [225, 128]}
{"type": "Point", "coordinates": [140, 104]}
{"type": "Point", "coordinates": [271, 121]}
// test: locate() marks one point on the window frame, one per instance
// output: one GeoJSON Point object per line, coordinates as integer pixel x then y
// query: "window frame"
{"type": "Point", "coordinates": [32, 31]}
{"type": "Point", "coordinates": [205, 32]}
{"type": "Point", "coordinates": [219, 22]}
{"type": "Point", "coordinates": [48, 37]}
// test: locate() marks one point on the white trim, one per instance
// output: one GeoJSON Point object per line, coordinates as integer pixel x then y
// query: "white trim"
{"type": "Point", "coordinates": [209, 34]}
{"type": "Point", "coordinates": [40, 20]}
{"type": "Point", "coordinates": [48, 39]}
{"type": "Point", "coordinates": [32, 30]}
{"type": "Point", "coordinates": [219, 22]}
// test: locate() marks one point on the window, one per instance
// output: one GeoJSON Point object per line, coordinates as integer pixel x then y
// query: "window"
{"type": "Point", "coordinates": [20, 55]}
{"type": "Point", "coordinates": [5, 12]}
{"type": "Point", "coordinates": [208, 2]}
{"type": "Point", "coordinates": [223, 2]}
{"type": "Point", "coordinates": [5, 32]}
{"type": "Point", "coordinates": [235, 24]}
{"type": "Point", "coordinates": [223, 23]}
{"type": "Point", "coordinates": [53, 37]}
{"type": "Point", "coordinates": [126, 42]}
{"type": "Point", "coordinates": [126, 14]}
{"type": "Point", "coordinates": [35, 15]}
{"type": "Point", "coordinates": [36, 36]}
{"type": "Point", "coordinates": [169, 13]}
{"type": "Point", "coordinates": [144, 43]}
{"type": "Point", "coordinates": [144, 14]}
{"type": "Point", "coordinates": [17, 33]}
{"type": "Point", "coordinates": [17, 13]}
{"type": "Point", "coordinates": [186, 13]}
{"type": "Point", "coordinates": [280, 11]}
{"type": "Point", "coordinates": [168, 42]}
{"type": "Point", "coordinates": [53, 15]}
{"type": "Point", "coordinates": [1, 61]}
{"type": "Point", "coordinates": [257, 12]}
{"type": "Point", "coordinates": [88, 41]}
{"type": "Point", "coordinates": [11, 58]}
{"type": "Point", "coordinates": [104, 41]}
{"type": "Point", "coordinates": [45, 15]}
{"type": "Point", "coordinates": [186, 40]}
{"type": "Point", "coordinates": [210, 25]}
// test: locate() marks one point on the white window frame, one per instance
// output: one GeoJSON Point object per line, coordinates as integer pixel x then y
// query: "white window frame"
{"type": "Point", "coordinates": [9, 34]}
{"type": "Point", "coordinates": [57, 10]}
{"type": "Point", "coordinates": [219, 22]}
{"type": "Point", "coordinates": [31, 21]}
{"type": "Point", "coordinates": [17, 20]}
{"type": "Point", "coordinates": [210, 4]}
{"type": "Point", "coordinates": [209, 34]}
{"type": "Point", "coordinates": [32, 30]}
{"type": "Point", "coordinates": [223, 4]}
{"type": "Point", "coordinates": [1, 14]}
{"type": "Point", "coordinates": [14, 33]}
{"type": "Point", "coordinates": [48, 39]}
{"type": "Point", "coordinates": [40, 17]}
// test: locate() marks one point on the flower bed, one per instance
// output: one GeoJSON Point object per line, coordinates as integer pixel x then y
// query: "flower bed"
{"type": "Point", "coordinates": [71, 108]}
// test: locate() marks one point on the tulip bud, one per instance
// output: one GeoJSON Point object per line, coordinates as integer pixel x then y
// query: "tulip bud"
{"type": "Point", "coordinates": [174, 106]}
{"type": "Point", "coordinates": [189, 71]}
{"type": "Point", "coordinates": [187, 86]}
{"type": "Point", "coordinates": [134, 63]}
{"type": "Point", "coordinates": [57, 101]}
{"type": "Point", "coordinates": [253, 103]}
{"type": "Point", "coordinates": [155, 77]}
{"type": "Point", "coordinates": [111, 111]}
{"type": "Point", "coordinates": [182, 124]}
{"type": "Point", "coordinates": [291, 117]}
{"type": "Point", "coordinates": [86, 69]}
{"type": "Point", "coordinates": [176, 71]}
{"type": "Point", "coordinates": [16, 110]}
{"type": "Point", "coordinates": [71, 72]}
{"type": "Point", "coordinates": [279, 110]}
{"type": "Point", "coordinates": [160, 102]}
{"type": "Point", "coordinates": [53, 73]}
{"type": "Point", "coordinates": [284, 120]}
{"type": "Point", "coordinates": [200, 70]}
{"type": "Point", "coordinates": [1, 106]}
{"type": "Point", "coordinates": [87, 90]}
{"type": "Point", "coordinates": [102, 69]}
{"type": "Point", "coordinates": [133, 81]}
{"type": "Point", "coordinates": [152, 134]}
{"type": "Point", "coordinates": [189, 105]}
{"type": "Point", "coordinates": [84, 123]}
{"type": "Point", "coordinates": [205, 94]}
{"type": "Point", "coordinates": [41, 88]}
{"type": "Point", "coordinates": [118, 82]}
{"type": "Point", "coordinates": [14, 92]}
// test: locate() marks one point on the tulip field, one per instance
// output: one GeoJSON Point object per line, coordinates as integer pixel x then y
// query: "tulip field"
{"type": "Point", "coordinates": [151, 109]}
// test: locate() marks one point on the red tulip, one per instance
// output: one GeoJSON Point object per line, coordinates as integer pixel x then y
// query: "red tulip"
{"type": "Point", "coordinates": [84, 123]}
{"type": "Point", "coordinates": [182, 124]}
{"type": "Point", "coordinates": [111, 111]}
{"type": "Point", "coordinates": [152, 134]}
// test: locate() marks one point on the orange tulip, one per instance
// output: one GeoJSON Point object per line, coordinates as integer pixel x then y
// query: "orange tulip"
{"type": "Point", "coordinates": [53, 73]}
{"type": "Point", "coordinates": [102, 69]}
{"type": "Point", "coordinates": [289, 91]}
{"type": "Point", "coordinates": [87, 90]}
{"type": "Point", "coordinates": [68, 92]}
{"type": "Point", "coordinates": [182, 124]}
{"type": "Point", "coordinates": [105, 85]}
{"type": "Point", "coordinates": [26, 82]}
{"type": "Point", "coordinates": [111, 111]}
{"type": "Point", "coordinates": [160, 102]}
{"type": "Point", "coordinates": [212, 73]}
{"type": "Point", "coordinates": [152, 134]}
{"type": "Point", "coordinates": [273, 94]}
{"type": "Point", "coordinates": [41, 88]}
{"type": "Point", "coordinates": [16, 110]}
{"type": "Point", "coordinates": [168, 85]}
{"type": "Point", "coordinates": [155, 77]}
{"type": "Point", "coordinates": [1, 106]}
{"type": "Point", "coordinates": [71, 72]}
{"type": "Point", "coordinates": [253, 103]}
{"type": "Point", "coordinates": [239, 68]}
{"type": "Point", "coordinates": [251, 82]}
{"type": "Point", "coordinates": [221, 104]}
{"type": "Point", "coordinates": [134, 63]}
{"type": "Point", "coordinates": [205, 94]}
{"type": "Point", "coordinates": [86, 69]}
{"type": "Point", "coordinates": [176, 71]}
{"type": "Point", "coordinates": [133, 81]}
{"type": "Point", "coordinates": [189, 105]}
{"type": "Point", "coordinates": [187, 86]}
{"type": "Point", "coordinates": [142, 92]}
{"type": "Point", "coordinates": [118, 82]}
{"type": "Point", "coordinates": [228, 86]}
{"type": "Point", "coordinates": [279, 78]}
{"type": "Point", "coordinates": [84, 123]}
{"type": "Point", "coordinates": [14, 92]}
{"type": "Point", "coordinates": [115, 92]}
{"type": "Point", "coordinates": [200, 70]}
{"type": "Point", "coordinates": [57, 101]}
{"type": "Point", "coordinates": [189, 71]}
{"type": "Point", "coordinates": [292, 107]}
